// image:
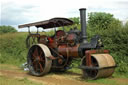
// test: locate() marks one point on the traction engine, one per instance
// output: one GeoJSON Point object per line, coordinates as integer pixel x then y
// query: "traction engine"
{"type": "Point", "coordinates": [55, 53]}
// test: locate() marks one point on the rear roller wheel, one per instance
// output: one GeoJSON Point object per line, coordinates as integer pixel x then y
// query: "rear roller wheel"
{"type": "Point", "coordinates": [100, 61]}
{"type": "Point", "coordinates": [38, 63]}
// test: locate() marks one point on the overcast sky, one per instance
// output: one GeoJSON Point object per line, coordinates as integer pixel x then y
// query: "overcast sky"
{"type": "Point", "coordinates": [15, 12]}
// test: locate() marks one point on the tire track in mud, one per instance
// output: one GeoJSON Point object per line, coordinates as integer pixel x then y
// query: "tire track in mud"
{"type": "Point", "coordinates": [49, 79]}
{"type": "Point", "coordinates": [52, 78]}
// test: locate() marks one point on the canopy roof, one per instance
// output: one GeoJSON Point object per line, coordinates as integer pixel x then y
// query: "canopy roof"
{"type": "Point", "coordinates": [54, 22]}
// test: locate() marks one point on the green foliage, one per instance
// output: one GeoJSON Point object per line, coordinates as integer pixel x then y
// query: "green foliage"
{"type": "Point", "coordinates": [13, 49]}
{"type": "Point", "coordinates": [116, 41]}
{"type": "Point", "coordinates": [126, 25]}
{"type": "Point", "coordinates": [76, 24]}
{"type": "Point", "coordinates": [101, 20]}
{"type": "Point", "coordinates": [76, 20]}
{"type": "Point", "coordinates": [104, 81]}
{"type": "Point", "coordinates": [114, 36]}
{"type": "Point", "coordinates": [50, 33]}
{"type": "Point", "coordinates": [7, 29]}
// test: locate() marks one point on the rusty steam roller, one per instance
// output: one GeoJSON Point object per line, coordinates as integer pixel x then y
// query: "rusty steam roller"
{"type": "Point", "coordinates": [55, 53]}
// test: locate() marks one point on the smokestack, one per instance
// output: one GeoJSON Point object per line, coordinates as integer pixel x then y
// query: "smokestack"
{"type": "Point", "coordinates": [83, 24]}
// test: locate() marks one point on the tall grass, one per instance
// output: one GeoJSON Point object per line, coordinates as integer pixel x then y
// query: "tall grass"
{"type": "Point", "coordinates": [12, 48]}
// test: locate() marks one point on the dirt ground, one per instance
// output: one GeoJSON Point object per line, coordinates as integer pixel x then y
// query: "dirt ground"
{"type": "Point", "coordinates": [53, 78]}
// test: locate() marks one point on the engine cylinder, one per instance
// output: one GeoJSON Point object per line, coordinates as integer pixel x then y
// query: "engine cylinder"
{"type": "Point", "coordinates": [68, 51]}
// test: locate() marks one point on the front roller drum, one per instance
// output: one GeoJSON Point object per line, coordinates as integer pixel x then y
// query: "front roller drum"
{"type": "Point", "coordinates": [103, 65]}
{"type": "Point", "coordinates": [38, 61]}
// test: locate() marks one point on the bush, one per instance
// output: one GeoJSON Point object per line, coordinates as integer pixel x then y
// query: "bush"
{"type": "Point", "coordinates": [114, 36]}
{"type": "Point", "coordinates": [6, 29]}
{"type": "Point", "coordinates": [101, 21]}
{"type": "Point", "coordinates": [116, 40]}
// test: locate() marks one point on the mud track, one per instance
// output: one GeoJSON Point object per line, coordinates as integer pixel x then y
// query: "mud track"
{"type": "Point", "coordinates": [51, 78]}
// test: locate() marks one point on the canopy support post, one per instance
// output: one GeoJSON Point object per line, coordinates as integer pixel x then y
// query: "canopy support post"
{"type": "Point", "coordinates": [29, 30]}
{"type": "Point", "coordinates": [37, 30]}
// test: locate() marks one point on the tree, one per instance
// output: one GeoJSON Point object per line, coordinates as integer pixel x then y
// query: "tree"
{"type": "Point", "coordinates": [76, 20]}
{"type": "Point", "coordinates": [102, 20]}
{"type": "Point", "coordinates": [6, 29]}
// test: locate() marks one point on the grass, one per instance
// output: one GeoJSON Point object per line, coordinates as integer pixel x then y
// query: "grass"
{"type": "Point", "coordinates": [12, 81]}
{"type": "Point", "coordinates": [13, 49]}
{"type": "Point", "coordinates": [6, 67]}
{"type": "Point", "coordinates": [108, 81]}
{"type": "Point", "coordinates": [75, 70]}
{"type": "Point", "coordinates": [104, 81]}
{"type": "Point", "coordinates": [11, 68]}
{"type": "Point", "coordinates": [118, 75]}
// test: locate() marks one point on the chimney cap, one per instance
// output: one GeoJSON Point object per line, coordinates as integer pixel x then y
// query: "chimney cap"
{"type": "Point", "coordinates": [82, 9]}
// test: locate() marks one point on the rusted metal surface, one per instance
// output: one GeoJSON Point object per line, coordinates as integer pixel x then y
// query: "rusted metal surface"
{"type": "Point", "coordinates": [69, 51]}
{"type": "Point", "coordinates": [97, 65]}
{"type": "Point", "coordinates": [104, 60]}
{"type": "Point", "coordinates": [89, 52]}
{"type": "Point", "coordinates": [54, 22]}
{"type": "Point", "coordinates": [39, 64]}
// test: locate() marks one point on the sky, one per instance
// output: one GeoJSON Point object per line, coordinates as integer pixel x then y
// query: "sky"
{"type": "Point", "coordinates": [16, 12]}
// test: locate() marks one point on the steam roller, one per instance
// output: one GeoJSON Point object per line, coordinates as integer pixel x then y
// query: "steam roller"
{"type": "Point", "coordinates": [56, 52]}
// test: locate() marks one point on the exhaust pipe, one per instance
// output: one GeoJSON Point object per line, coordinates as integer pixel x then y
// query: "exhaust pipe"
{"type": "Point", "coordinates": [83, 24]}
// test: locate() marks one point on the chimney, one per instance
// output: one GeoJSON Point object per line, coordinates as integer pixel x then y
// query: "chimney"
{"type": "Point", "coordinates": [83, 24]}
